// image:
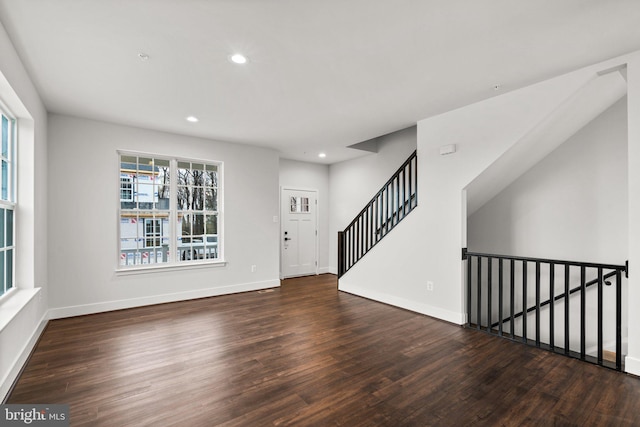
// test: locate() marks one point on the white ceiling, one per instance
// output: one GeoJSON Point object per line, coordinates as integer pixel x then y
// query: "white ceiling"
{"type": "Point", "coordinates": [321, 75]}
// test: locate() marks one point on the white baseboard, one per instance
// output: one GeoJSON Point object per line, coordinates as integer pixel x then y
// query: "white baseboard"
{"type": "Point", "coordinates": [332, 269]}
{"type": "Point", "coordinates": [324, 270]}
{"type": "Point", "coordinates": [632, 365]}
{"type": "Point", "coordinates": [80, 310]}
{"type": "Point", "coordinates": [449, 316]}
{"type": "Point", "coordinates": [19, 362]}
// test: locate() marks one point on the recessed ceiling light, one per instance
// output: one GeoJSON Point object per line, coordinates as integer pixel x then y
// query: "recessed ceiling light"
{"type": "Point", "coordinates": [238, 58]}
{"type": "Point", "coordinates": [143, 56]}
{"type": "Point", "coordinates": [192, 119]}
{"type": "Point", "coordinates": [322, 155]}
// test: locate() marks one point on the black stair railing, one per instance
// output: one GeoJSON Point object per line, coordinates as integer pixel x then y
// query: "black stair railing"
{"type": "Point", "coordinates": [397, 197]}
{"type": "Point", "coordinates": [530, 300]}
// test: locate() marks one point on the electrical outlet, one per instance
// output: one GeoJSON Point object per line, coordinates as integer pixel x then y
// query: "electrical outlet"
{"type": "Point", "coordinates": [254, 268]}
{"type": "Point", "coordinates": [429, 285]}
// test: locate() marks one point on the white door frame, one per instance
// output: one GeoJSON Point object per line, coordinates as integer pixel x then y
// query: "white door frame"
{"type": "Point", "coordinates": [316, 245]}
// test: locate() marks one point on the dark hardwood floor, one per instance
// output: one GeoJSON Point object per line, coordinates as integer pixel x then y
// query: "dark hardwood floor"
{"type": "Point", "coordinates": [306, 354]}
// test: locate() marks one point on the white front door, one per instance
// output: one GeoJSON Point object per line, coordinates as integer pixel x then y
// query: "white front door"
{"type": "Point", "coordinates": [298, 232]}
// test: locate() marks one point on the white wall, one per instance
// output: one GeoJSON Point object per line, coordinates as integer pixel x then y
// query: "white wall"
{"type": "Point", "coordinates": [311, 176]}
{"type": "Point", "coordinates": [632, 361]}
{"type": "Point", "coordinates": [22, 313]}
{"type": "Point", "coordinates": [427, 245]}
{"type": "Point", "coordinates": [83, 198]}
{"type": "Point", "coordinates": [572, 205]}
{"type": "Point", "coordinates": [353, 183]}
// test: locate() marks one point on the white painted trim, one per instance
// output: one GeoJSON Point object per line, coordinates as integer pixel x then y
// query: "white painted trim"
{"type": "Point", "coordinates": [14, 302]}
{"type": "Point", "coordinates": [438, 313]}
{"type": "Point", "coordinates": [80, 310]}
{"type": "Point", "coordinates": [324, 270]}
{"type": "Point", "coordinates": [161, 268]}
{"type": "Point", "coordinates": [317, 219]}
{"type": "Point", "coordinates": [632, 365]}
{"type": "Point", "coordinates": [21, 359]}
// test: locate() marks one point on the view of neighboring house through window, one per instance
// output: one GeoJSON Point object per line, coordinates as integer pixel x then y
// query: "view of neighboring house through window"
{"type": "Point", "coordinates": [158, 228]}
{"type": "Point", "coordinates": [7, 200]}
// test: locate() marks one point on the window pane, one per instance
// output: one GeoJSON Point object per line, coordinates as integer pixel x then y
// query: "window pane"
{"type": "Point", "coordinates": [145, 164]}
{"type": "Point", "coordinates": [185, 227]}
{"type": "Point", "coordinates": [211, 199]}
{"type": "Point", "coordinates": [185, 177]}
{"type": "Point", "coordinates": [162, 182]}
{"type": "Point", "coordinates": [163, 201]}
{"type": "Point", "coordinates": [161, 163]}
{"type": "Point", "coordinates": [9, 227]}
{"type": "Point", "coordinates": [183, 198]}
{"type": "Point", "coordinates": [5, 180]}
{"type": "Point", "coordinates": [199, 167]}
{"type": "Point", "coordinates": [3, 282]}
{"type": "Point", "coordinates": [129, 160]}
{"type": "Point", "coordinates": [198, 198]}
{"type": "Point", "coordinates": [2, 215]}
{"type": "Point", "coordinates": [9, 266]}
{"type": "Point", "coordinates": [211, 179]}
{"type": "Point", "coordinates": [198, 224]}
{"type": "Point", "coordinates": [211, 225]}
{"type": "Point", "coordinates": [130, 234]}
{"type": "Point", "coordinates": [5, 137]}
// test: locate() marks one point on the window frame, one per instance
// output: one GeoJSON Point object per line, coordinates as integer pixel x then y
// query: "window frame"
{"type": "Point", "coordinates": [10, 203]}
{"type": "Point", "coordinates": [155, 236]}
{"type": "Point", "coordinates": [127, 180]}
{"type": "Point", "coordinates": [173, 260]}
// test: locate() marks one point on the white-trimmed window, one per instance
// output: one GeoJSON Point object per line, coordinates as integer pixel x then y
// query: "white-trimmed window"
{"type": "Point", "coordinates": [126, 187]}
{"type": "Point", "coordinates": [7, 200]}
{"type": "Point", "coordinates": [169, 210]}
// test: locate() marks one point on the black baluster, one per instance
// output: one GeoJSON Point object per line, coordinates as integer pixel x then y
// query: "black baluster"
{"type": "Point", "coordinates": [583, 309]}
{"type": "Point", "coordinates": [512, 302]}
{"type": "Point", "coordinates": [618, 320]}
{"type": "Point", "coordinates": [537, 303]}
{"type": "Point", "coordinates": [489, 293]}
{"type": "Point", "coordinates": [500, 296]}
{"type": "Point", "coordinates": [524, 301]}
{"type": "Point", "coordinates": [600, 338]}
{"type": "Point", "coordinates": [567, 268]}
{"type": "Point", "coordinates": [552, 284]}
{"type": "Point", "coordinates": [469, 258]}
{"type": "Point", "coordinates": [479, 294]}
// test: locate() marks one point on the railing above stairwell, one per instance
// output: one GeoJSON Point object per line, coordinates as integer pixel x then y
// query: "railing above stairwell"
{"type": "Point", "coordinates": [560, 306]}
{"type": "Point", "coordinates": [387, 208]}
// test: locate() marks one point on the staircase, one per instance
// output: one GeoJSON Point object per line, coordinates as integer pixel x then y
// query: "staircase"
{"type": "Point", "coordinates": [567, 307]}
{"type": "Point", "coordinates": [397, 197]}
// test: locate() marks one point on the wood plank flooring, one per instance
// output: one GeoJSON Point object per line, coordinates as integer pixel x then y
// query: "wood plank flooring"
{"type": "Point", "coordinates": [308, 355]}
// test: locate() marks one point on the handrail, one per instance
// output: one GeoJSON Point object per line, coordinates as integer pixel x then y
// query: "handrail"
{"type": "Point", "coordinates": [547, 260]}
{"type": "Point", "coordinates": [559, 297]}
{"type": "Point", "coordinates": [391, 204]}
{"type": "Point", "coordinates": [505, 282]}
{"type": "Point", "coordinates": [382, 189]}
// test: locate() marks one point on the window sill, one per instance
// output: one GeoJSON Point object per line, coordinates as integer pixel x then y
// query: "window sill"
{"type": "Point", "coordinates": [12, 303]}
{"type": "Point", "coordinates": [170, 267]}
